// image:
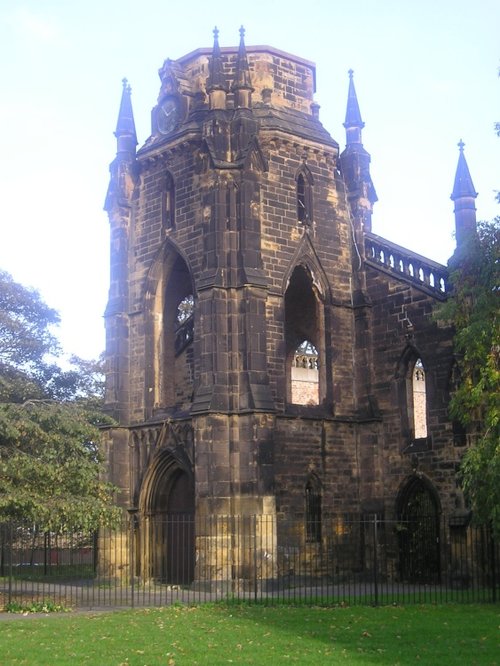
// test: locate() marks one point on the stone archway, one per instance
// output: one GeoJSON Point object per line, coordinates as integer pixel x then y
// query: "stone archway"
{"type": "Point", "coordinates": [418, 531]}
{"type": "Point", "coordinates": [168, 528]}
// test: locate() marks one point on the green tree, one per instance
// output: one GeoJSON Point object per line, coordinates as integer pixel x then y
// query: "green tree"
{"type": "Point", "coordinates": [25, 326]}
{"type": "Point", "coordinates": [50, 463]}
{"type": "Point", "coordinates": [474, 310]}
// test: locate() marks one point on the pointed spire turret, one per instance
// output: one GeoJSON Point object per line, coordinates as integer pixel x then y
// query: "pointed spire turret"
{"type": "Point", "coordinates": [216, 82]}
{"type": "Point", "coordinates": [462, 186]}
{"type": "Point", "coordinates": [464, 196]}
{"type": "Point", "coordinates": [242, 85]}
{"type": "Point", "coordinates": [355, 165]}
{"type": "Point", "coordinates": [126, 137]}
{"type": "Point", "coordinates": [353, 123]}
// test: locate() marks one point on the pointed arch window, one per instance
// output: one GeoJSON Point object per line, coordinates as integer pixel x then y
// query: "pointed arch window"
{"type": "Point", "coordinates": [304, 197]}
{"type": "Point", "coordinates": [169, 350]}
{"type": "Point", "coordinates": [313, 510]}
{"type": "Point", "coordinates": [418, 400]}
{"type": "Point", "coordinates": [305, 341]}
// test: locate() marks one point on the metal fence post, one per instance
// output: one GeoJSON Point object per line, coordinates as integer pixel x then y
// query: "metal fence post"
{"type": "Point", "coordinates": [10, 530]}
{"type": "Point", "coordinates": [132, 512]}
{"type": "Point", "coordinates": [255, 557]}
{"type": "Point", "coordinates": [375, 558]}
{"type": "Point", "coordinates": [493, 567]}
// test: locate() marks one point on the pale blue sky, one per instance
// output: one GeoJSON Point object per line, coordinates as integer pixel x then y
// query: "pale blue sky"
{"type": "Point", "coordinates": [425, 74]}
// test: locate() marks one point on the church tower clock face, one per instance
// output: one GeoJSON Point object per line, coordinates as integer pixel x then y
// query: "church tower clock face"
{"type": "Point", "coordinates": [169, 115]}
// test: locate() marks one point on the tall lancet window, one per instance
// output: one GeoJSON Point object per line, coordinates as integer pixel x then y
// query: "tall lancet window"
{"type": "Point", "coordinates": [169, 202]}
{"type": "Point", "coordinates": [304, 197]}
{"type": "Point", "coordinates": [419, 400]}
{"type": "Point", "coordinates": [304, 336]}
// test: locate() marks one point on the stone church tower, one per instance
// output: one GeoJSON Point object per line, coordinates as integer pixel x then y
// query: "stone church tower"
{"type": "Point", "coordinates": [267, 353]}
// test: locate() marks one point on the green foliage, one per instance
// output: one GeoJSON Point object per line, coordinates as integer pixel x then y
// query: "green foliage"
{"type": "Point", "coordinates": [29, 348]}
{"type": "Point", "coordinates": [50, 465]}
{"type": "Point", "coordinates": [474, 310]}
{"type": "Point", "coordinates": [35, 607]}
{"type": "Point", "coordinates": [25, 326]}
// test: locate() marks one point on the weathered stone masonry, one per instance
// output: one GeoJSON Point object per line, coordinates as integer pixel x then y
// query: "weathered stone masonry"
{"type": "Point", "coordinates": [239, 232]}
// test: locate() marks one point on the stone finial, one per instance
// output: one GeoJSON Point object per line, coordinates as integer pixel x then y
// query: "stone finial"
{"type": "Point", "coordinates": [125, 126]}
{"type": "Point", "coordinates": [463, 186]}
{"type": "Point", "coordinates": [216, 79]}
{"type": "Point", "coordinates": [353, 114]}
{"type": "Point", "coordinates": [242, 85]}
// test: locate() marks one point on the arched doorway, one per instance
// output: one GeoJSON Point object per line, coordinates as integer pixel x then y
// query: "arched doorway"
{"type": "Point", "coordinates": [169, 538]}
{"type": "Point", "coordinates": [418, 532]}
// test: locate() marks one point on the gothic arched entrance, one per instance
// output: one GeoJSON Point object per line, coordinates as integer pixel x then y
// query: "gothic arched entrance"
{"type": "Point", "coordinates": [418, 532]}
{"type": "Point", "coordinates": [169, 539]}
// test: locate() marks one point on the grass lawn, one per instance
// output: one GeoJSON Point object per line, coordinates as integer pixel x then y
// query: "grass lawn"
{"type": "Point", "coordinates": [233, 634]}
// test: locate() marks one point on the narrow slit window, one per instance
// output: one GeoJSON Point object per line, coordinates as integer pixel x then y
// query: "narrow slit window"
{"type": "Point", "coordinates": [313, 511]}
{"type": "Point", "coordinates": [304, 198]}
{"type": "Point", "coordinates": [301, 199]}
{"type": "Point", "coordinates": [169, 203]}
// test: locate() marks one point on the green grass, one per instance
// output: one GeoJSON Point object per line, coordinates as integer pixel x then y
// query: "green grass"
{"type": "Point", "coordinates": [232, 634]}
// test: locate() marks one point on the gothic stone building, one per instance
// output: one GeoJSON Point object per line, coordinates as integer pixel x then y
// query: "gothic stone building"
{"type": "Point", "coordinates": [268, 355]}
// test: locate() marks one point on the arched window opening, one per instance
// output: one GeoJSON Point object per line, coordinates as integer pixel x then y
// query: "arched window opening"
{"type": "Point", "coordinates": [419, 400]}
{"type": "Point", "coordinates": [305, 375]}
{"type": "Point", "coordinates": [304, 331]}
{"type": "Point", "coordinates": [169, 203]}
{"type": "Point", "coordinates": [170, 368]}
{"type": "Point", "coordinates": [313, 511]}
{"type": "Point", "coordinates": [304, 198]}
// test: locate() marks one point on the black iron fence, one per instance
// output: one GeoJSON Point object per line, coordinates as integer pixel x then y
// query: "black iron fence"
{"type": "Point", "coordinates": [157, 560]}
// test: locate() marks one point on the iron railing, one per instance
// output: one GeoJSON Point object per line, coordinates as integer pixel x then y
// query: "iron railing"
{"type": "Point", "coordinates": [156, 560]}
